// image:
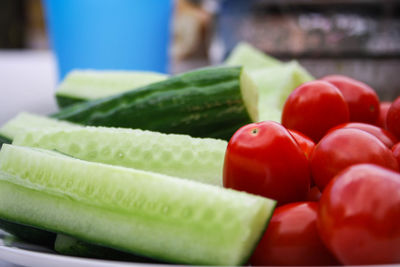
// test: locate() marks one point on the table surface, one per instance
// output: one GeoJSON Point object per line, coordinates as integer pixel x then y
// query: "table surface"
{"type": "Point", "coordinates": [27, 83]}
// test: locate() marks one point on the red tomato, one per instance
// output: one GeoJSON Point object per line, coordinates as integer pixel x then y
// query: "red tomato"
{"type": "Point", "coordinates": [396, 152]}
{"type": "Point", "coordinates": [345, 147]}
{"type": "Point", "coordinates": [393, 118]}
{"type": "Point", "coordinates": [383, 109]}
{"type": "Point", "coordinates": [314, 194]}
{"type": "Point", "coordinates": [264, 159]}
{"type": "Point", "coordinates": [362, 100]}
{"type": "Point", "coordinates": [359, 215]}
{"type": "Point", "coordinates": [314, 108]}
{"type": "Point", "coordinates": [305, 143]}
{"type": "Point", "coordinates": [385, 136]}
{"type": "Point", "coordinates": [292, 238]}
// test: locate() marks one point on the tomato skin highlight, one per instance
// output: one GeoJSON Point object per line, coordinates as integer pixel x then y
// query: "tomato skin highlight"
{"type": "Point", "coordinates": [359, 215]}
{"type": "Point", "coordinates": [345, 147]}
{"type": "Point", "coordinates": [393, 118]}
{"type": "Point", "coordinates": [385, 136]}
{"type": "Point", "coordinates": [362, 100]}
{"type": "Point", "coordinates": [313, 108]}
{"type": "Point", "coordinates": [305, 143]}
{"type": "Point", "coordinates": [383, 109]}
{"type": "Point", "coordinates": [292, 238]}
{"type": "Point", "coordinates": [264, 159]}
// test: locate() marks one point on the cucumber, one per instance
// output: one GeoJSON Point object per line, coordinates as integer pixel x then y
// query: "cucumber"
{"type": "Point", "coordinates": [19, 124]}
{"type": "Point", "coordinates": [251, 58]}
{"type": "Point", "coordinates": [84, 85]}
{"type": "Point", "coordinates": [28, 233]}
{"type": "Point", "coordinates": [275, 80]}
{"type": "Point", "coordinates": [4, 140]}
{"type": "Point", "coordinates": [70, 246]}
{"type": "Point", "coordinates": [27, 121]}
{"type": "Point", "coordinates": [199, 159]}
{"type": "Point", "coordinates": [210, 102]}
{"type": "Point", "coordinates": [274, 86]}
{"type": "Point", "coordinates": [144, 213]}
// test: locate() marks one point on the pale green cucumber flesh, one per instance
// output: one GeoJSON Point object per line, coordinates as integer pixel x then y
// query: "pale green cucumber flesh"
{"type": "Point", "coordinates": [211, 102]}
{"type": "Point", "coordinates": [84, 85]}
{"type": "Point", "coordinates": [71, 246]}
{"type": "Point", "coordinates": [274, 86]}
{"type": "Point", "coordinates": [27, 121]}
{"type": "Point", "coordinates": [198, 159]}
{"type": "Point", "coordinates": [153, 215]}
{"type": "Point", "coordinates": [23, 232]}
{"type": "Point", "coordinates": [249, 57]}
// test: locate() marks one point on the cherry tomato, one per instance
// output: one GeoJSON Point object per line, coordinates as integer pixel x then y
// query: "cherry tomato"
{"type": "Point", "coordinates": [314, 108]}
{"type": "Point", "coordinates": [383, 109]}
{"type": "Point", "coordinates": [314, 194]}
{"type": "Point", "coordinates": [385, 136]}
{"type": "Point", "coordinates": [292, 238]}
{"type": "Point", "coordinates": [264, 159]}
{"type": "Point", "coordinates": [362, 100]}
{"type": "Point", "coordinates": [305, 143]}
{"type": "Point", "coordinates": [359, 215]}
{"type": "Point", "coordinates": [396, 152]}
{"type": "Point", "coordinates": [345, 147]}
{"type": "Point", "coordinates": [393, 118]}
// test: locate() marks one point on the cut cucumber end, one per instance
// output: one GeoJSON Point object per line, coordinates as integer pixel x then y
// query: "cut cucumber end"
{"type": "Point", "coordinates": [259, 226]}
{"type": "Point", "coordinates": [27, 121]}
{"type": "Point", "coordinates": [249, 94]}
{"type": "Point", "coordinates": [274, 86]}
{"type": "Point", "coordinates": [249, 57]}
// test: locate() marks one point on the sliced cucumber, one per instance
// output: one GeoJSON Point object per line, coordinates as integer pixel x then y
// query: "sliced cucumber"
{"type": "Point", "coordinates": [211, 102]}
{"type": "Point", "coordinates": [27, 121]}
{"type": "Point", "coordinates": [28, 233]}
{"type": "Point", "coordinates": [84, 85]}
{"type": "Point", "coordinates": [145, 213]}
{"type": "Point", "coordinates": [249, 57]}
{"type": "Point", "coordinates": [274, 86]}
{"type": "Point", "coordinates": [19, 124]}
{"type": "Point", "coordinates": [4, 140]}
{"type": "Point", "coordinates": [275, 80]}
{"type": "Point", "coordinates": [176, 155]}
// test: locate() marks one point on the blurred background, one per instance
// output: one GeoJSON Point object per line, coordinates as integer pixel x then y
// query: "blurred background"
{"type": "Point", "coordinates": [359, 38]}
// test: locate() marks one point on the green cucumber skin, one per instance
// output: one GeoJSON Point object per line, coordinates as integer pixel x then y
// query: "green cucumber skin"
{"type": "Point", "coordinates": [71, 246]}
{"type": "Point", "coordinates": [4, 140]}
{"type": "Point", "coordinates": [100, 209]}
{"type": "Point", "coordinates": [64, 101]}
{"type": "Point", "coordinates": [201, 103]}
{"type": "Point", "coordinates": [28, 233]}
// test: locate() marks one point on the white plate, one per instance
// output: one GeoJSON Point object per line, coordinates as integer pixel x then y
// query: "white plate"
{"type": "Point", "coordinates": [34, 256]}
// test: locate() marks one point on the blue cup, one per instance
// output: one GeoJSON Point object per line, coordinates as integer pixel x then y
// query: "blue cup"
{"type": "Point", "coordinates": [109, 34]}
